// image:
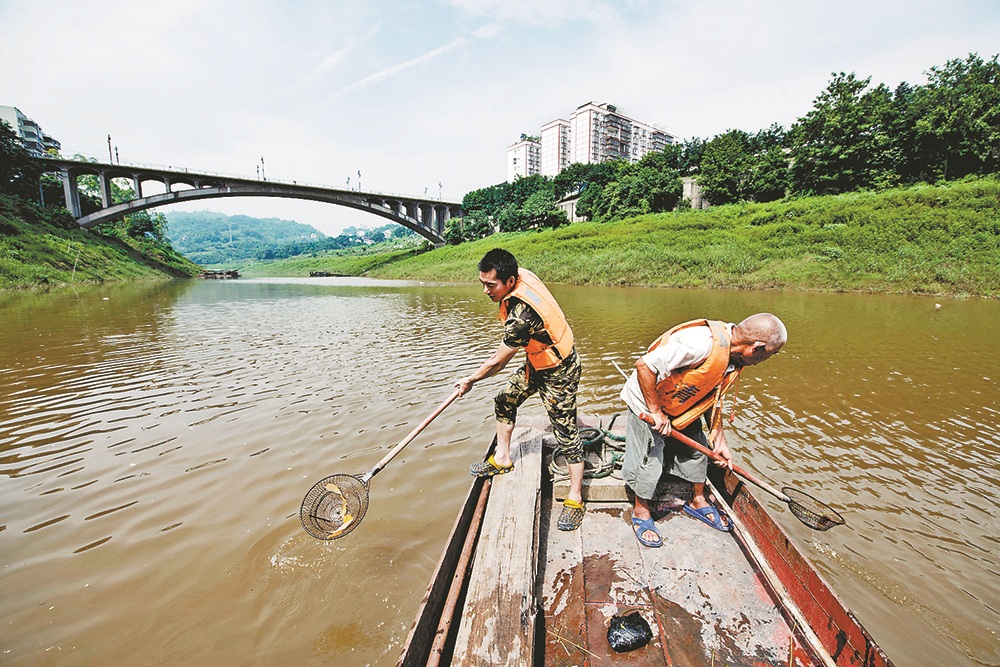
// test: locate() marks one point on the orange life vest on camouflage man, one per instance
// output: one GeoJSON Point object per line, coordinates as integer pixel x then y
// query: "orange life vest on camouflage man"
{"type": "Point", "coordinates": [688, 393]}
{"type": "Point", "coordinates": [531, 291]}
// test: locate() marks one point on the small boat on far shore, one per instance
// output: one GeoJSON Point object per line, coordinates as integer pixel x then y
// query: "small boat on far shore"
{"type": "Point", "coordinates": [219, 275]}
{"type": "Point", "coordinates": [511, 589]}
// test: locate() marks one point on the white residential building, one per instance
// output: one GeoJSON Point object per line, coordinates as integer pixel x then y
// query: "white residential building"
{"type": "Point", "coordinates": [524, 158]}
{"type": "Point", "coordinates": [557, 147]}
{"type": "Point", "coordinates": [602, 132]}
{"type": "Point", "coordinates": [594, 133]}
{"type": "Point", "coordinates": [32, 138]}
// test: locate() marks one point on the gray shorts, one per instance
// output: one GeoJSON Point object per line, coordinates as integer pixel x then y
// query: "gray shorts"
{"type": "Point", "coordinates": [648, 455]}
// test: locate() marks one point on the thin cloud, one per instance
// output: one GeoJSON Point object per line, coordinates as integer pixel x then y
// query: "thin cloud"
{"type": "Point", "coordinates": [550, 13]}
{"type": "Point", "coordinates": [395, 69]}
{"type": "Point", "coordinates": [338, 56]}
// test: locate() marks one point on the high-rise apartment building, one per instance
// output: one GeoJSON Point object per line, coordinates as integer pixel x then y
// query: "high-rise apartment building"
{"type": "Point", "coordinates": [557, 147]}
{"type": "Point", "coordinates": [524, 158]}
{"type": "Point", "coordinates": [594, 133]}
{"type": "Point", "coordinates": [602, 132]}
{"type": "Point", "coordinates": [32, 138]}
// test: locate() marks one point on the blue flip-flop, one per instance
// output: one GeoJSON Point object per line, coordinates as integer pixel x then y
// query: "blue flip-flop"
{"type": "Point", "coordinates": [715, 520]}
{"type": "Point", "coordinates": [640, 526]}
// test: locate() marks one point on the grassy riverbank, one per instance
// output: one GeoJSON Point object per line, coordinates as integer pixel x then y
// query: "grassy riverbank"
{"type": "Point", "coordinates": [941, 239]}
{"type": "Point", "coordinates": [44, 248]}
{"type": "Point", "coordinates": [347, 262]}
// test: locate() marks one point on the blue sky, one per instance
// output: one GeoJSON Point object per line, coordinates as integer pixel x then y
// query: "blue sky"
{"type": "Point", "coordinates": [417, 94]}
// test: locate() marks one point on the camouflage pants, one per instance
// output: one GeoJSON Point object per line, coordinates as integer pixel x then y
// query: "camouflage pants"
{"type": "Point", "coordinates": [557, 389]}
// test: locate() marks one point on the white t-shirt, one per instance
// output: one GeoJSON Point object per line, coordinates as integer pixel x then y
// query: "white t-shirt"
{"type": "Point", "coordinates": [687, 347]}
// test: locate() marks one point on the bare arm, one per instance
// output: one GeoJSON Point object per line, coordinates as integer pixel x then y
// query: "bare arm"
{"type": "Point", "coordinates": [493, 365]}
{"type": "Point", "coordinates": [647, 384]}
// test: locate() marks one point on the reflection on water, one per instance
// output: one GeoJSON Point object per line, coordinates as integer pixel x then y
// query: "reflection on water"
{"type": "Point", "coordinates": [156, 441]}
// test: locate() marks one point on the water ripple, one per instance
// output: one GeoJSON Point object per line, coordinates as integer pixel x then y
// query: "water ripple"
{"type": "Point", "coordinates": [155, 448]}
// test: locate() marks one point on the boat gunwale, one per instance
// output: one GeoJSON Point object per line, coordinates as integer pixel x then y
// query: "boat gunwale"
{"type": "Point", "coordinates": [834, 624]}
{"type": "Point", "coordinates": [426, 626]}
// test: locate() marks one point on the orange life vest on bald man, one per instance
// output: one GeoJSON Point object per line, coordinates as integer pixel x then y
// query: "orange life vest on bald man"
{"type": "Point", "coordinates": [531, 291]}
{"type": "Point", "coordinates": [688, 393]}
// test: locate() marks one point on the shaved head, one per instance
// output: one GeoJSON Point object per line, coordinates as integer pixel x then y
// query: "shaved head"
{"type": "Point", "coordinates": [767, 329]}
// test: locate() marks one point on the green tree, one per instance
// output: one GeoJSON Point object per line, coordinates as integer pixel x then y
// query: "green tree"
{"type": "Point", "coordinates": [689, 162]}
{"type": "Point", "coordinates": [642, 189]}
{"type": "Point", "coordinates": [770, 177]}
{"type": "Point", "coordinates": [957, 119]}
{"type": "Point", "coordinates": [602, 194]}
{"type": "Point", "coordinates": [726, 165]}
{"type": "Point", "coordinates": [844, 143]}
{"type": "Point", "coordinates": [18, 175]}
{"type": "Point", "coordinates": [571, 180]}
{"type": "Point", "coordinates": [738, 166]}
{"type": "Point", "coordinates": [587, 206]}
{"type": "Point", "coordinates": [487, 200]}
{"type": "Point", "coordinates": [577, 177]}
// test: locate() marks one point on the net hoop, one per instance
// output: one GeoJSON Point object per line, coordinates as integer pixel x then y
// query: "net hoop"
{"type": "Point", "coordinates": [811, 512]}
{"type": "Point", "coordinates": [334, 506]}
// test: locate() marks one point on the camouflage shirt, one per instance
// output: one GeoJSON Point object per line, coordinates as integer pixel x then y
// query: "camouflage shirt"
{"type": "Point", "coordinates": [522, 325]}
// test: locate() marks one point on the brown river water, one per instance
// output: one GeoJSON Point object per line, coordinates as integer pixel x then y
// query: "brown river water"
{"type": "Point", "coordinates": [156, 442]}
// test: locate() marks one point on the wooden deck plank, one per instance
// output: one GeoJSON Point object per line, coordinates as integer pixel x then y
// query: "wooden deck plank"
{"type": "Point", "coordinates": [498, 621]}
{"type": "Point", "coordinates": [426, 629]}
{"type": "Point", "coordinates": [710, 602]}
{"type": "Point", "coordinates": [562, 592]}
{"type": "Point", "coordinates": [705, 602]}
{"type": "Point", "coordinates": [615, 582]}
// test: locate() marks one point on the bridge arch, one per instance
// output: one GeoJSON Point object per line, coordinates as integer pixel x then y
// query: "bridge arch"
{"type": "Point", "coordinates": [424, 216]}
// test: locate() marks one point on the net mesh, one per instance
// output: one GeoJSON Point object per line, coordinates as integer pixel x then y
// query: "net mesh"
{"type": "Point", "coordinates": [334, 506]}
{"type": "Point", "coordinates": [810, 511]}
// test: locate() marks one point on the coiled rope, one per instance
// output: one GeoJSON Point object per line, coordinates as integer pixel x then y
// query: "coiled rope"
{"type": "Point", "coordinates": [603, 452]}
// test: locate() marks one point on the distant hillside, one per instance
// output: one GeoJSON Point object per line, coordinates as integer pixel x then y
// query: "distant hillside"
{"type": "Point", "coordinates": [212, 239]}
{"type": "Point", "coordinates": [206, 237]}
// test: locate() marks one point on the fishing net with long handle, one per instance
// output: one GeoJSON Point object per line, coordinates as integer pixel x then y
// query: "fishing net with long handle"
{"type": "Point", "coordinates": [804, 507]}
{"type": "Point", "coordinates": [335, 505]}
{"type": "Point", "coordinates": [811, 512]}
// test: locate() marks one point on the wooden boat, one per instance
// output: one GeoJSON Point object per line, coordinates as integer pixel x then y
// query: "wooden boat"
{"type": "Point", "coordinates": [510, 589]}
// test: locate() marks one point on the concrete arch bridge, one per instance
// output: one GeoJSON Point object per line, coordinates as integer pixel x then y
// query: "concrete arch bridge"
{"type": "Point", "coordinates": [425, 216]}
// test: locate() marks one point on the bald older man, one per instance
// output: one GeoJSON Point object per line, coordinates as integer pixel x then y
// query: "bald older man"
{"type": "Point", "coordinates": [680, 380]}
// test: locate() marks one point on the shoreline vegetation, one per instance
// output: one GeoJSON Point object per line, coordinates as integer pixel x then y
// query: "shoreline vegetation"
{"type": "Point", "coordinates": [926, 239]}
{"type": "Point", "coordinates": [43, 248]}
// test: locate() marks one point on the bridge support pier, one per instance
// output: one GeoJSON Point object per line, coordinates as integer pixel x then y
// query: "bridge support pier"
{"type": "Point", "coordinates": [71, 192]}
{"type": "Point", "coordinates": [105, 184]}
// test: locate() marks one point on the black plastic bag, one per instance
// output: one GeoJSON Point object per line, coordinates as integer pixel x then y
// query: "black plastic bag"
{"type": "Point", "coordinates": [629, 632]}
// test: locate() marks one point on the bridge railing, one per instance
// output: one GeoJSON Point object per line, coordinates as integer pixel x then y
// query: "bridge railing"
{"type": "Point", "coordinates": [88, 159]}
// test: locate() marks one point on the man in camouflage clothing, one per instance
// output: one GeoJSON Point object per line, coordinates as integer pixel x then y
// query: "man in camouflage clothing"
{"type": "Point", "coordinates": [553, 373]}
